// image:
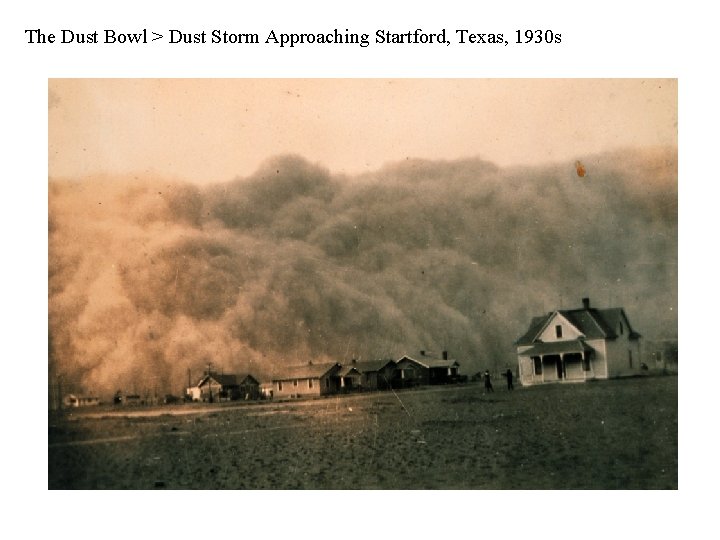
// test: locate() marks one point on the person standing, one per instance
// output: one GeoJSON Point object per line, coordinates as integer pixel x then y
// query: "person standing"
{"type": "Point", "coordinates": [488, 383]}
{"type": "Point", "coordinates": [509, 377]}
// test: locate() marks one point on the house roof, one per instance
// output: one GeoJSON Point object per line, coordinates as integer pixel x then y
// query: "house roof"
{"type": "Point", "coordinates": [228, 379]}
{"type": "Point", "coordinates": [345, 370]}
{"type": "Point", "coordinates": [305, 371]}
{"type": "Point", "coordinates": [557, 347]}
{"type": "Point", "coordinates": [430, 362]}
{"type": "Point", "coordinates": [593, 323]}
{"type": "Point", "coordinates": [371, 365]}
{"type": "Point", "coordinates": [220, 378]}
{"type": "Point", "coordinates": [244, 379]}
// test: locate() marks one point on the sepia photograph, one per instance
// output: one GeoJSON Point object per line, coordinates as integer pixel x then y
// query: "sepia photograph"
{"type": "Point", "coordinates": [362, 284]}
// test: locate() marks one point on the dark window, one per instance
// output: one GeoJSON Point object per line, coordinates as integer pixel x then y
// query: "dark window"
{"type": "Point", "coordinates": [621, 328]}
{"type": "Point", "coordinates": [538, 365]}
{"type": "Point", "coordinates": [309, 383]}
{"type": "Point", "coordinates": [630, 358]}
{"type": "Point", "coordinates": [279, 385]}
{"type": "Point", "coordinates": [295, 383]}
{"type": "Point", "coordinates": [558, 331]}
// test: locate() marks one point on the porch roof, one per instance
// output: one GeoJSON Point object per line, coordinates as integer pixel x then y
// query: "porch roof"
{"type": "Point", "coordinates": [557, 347]}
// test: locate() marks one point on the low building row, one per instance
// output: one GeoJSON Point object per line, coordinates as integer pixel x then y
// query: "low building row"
{"type": "Point", "coordinates": [319, 379]}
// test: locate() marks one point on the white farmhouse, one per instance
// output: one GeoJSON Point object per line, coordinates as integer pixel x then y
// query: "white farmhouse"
{"type": "Point", "coordinates": [578, 345]}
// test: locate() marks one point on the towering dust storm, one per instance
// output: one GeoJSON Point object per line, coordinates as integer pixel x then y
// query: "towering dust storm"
{"type": "Point", "coordinates": [149, 278]}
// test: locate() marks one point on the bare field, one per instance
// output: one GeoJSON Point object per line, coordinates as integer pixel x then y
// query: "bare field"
{"type": "Point", "coordinates": [620, 434]}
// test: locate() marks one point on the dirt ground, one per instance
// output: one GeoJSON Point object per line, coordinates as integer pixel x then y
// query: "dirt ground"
{"type": "Point", "coordinates": [619, 434]}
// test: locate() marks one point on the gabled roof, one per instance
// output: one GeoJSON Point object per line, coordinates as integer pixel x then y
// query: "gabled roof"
{"type": "Point", "coordinates": [592, 323]}
{"type": "Point", "coordinates": [346, 370]}
{"type": "Point", "coordinates": [244, 379]}
{"type": "Point", "coordinates": [221, 379]}
{"type": "Point", "coordinates": [305, 371]}
{"type": "Point", "coordinates": [371, 365]}
{"type": "Point", "coordinates": [430, 362]}
{"type": "Point", "coordinates": [536, 326]}
{"type": "Point", "coordinates": [228, 379]}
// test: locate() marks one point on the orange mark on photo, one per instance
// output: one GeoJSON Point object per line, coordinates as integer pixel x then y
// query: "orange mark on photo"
{"type": "Point", "coordinates": [580, 169]}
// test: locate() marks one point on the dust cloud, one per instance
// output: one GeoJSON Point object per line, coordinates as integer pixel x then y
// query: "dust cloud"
{"type": "Point", "coordinates": [150, 278]}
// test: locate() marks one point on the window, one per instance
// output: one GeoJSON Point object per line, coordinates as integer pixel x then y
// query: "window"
{"type": "Point", "coordinates": [280, 386]}
{"type": "Point", "coordinates": [558, 331]}
{"type": "Point", "coordinates": [295, 383]}
{"type": "Point", "coordinates": [309, 383]}
{"type": "Point", "coordinates": [538, 365]}
{"type": "Point", "coordinates": [630, 358]}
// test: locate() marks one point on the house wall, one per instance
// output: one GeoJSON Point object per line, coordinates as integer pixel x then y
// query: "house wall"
{"type": "Point", "coordinates": [249, 390]}
{"type": "Point", "coordinates": [404, 377]}
{"type": "Point", "coordinates": [385, 377]}
{"type": "Point", "coordinates": [327, 384]}
{"type": "Point", "coordinates": [214, 389]}
{"type": "Point", "coordinates": [569, 332]}
{"type": "Point", "coordinates": [618, 356]}
{"type": "Point", "coordinates": [526, 369]}
{"type": "Point", "coordinates": [352, 380]}
{"type": "Point", "coordinates": [370, 380]}
{"type": "Point", "coordinates": [442, 375]}
{"type": "Point", "coordinates": [549, 367]}
{"type": "Point", "coordinates": [573, 370]}
{"type": "Point", "coordinates": [80, 401]}
{"type": "Point", "coordinates": [297, 388]}
{"type": "Point", "coordinates": [598, 364]}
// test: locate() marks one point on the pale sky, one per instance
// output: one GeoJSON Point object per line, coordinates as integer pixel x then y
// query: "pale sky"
{"type": "Point", "coordinates": [209, 130]}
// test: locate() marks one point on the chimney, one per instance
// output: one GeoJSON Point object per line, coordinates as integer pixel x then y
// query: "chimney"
{"type": "Point", "coordinates": [422, 353]}
{"type": "Point", "coordinates": [444, 355]}
{"type": "Point", "coordinates": [586, 303]}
